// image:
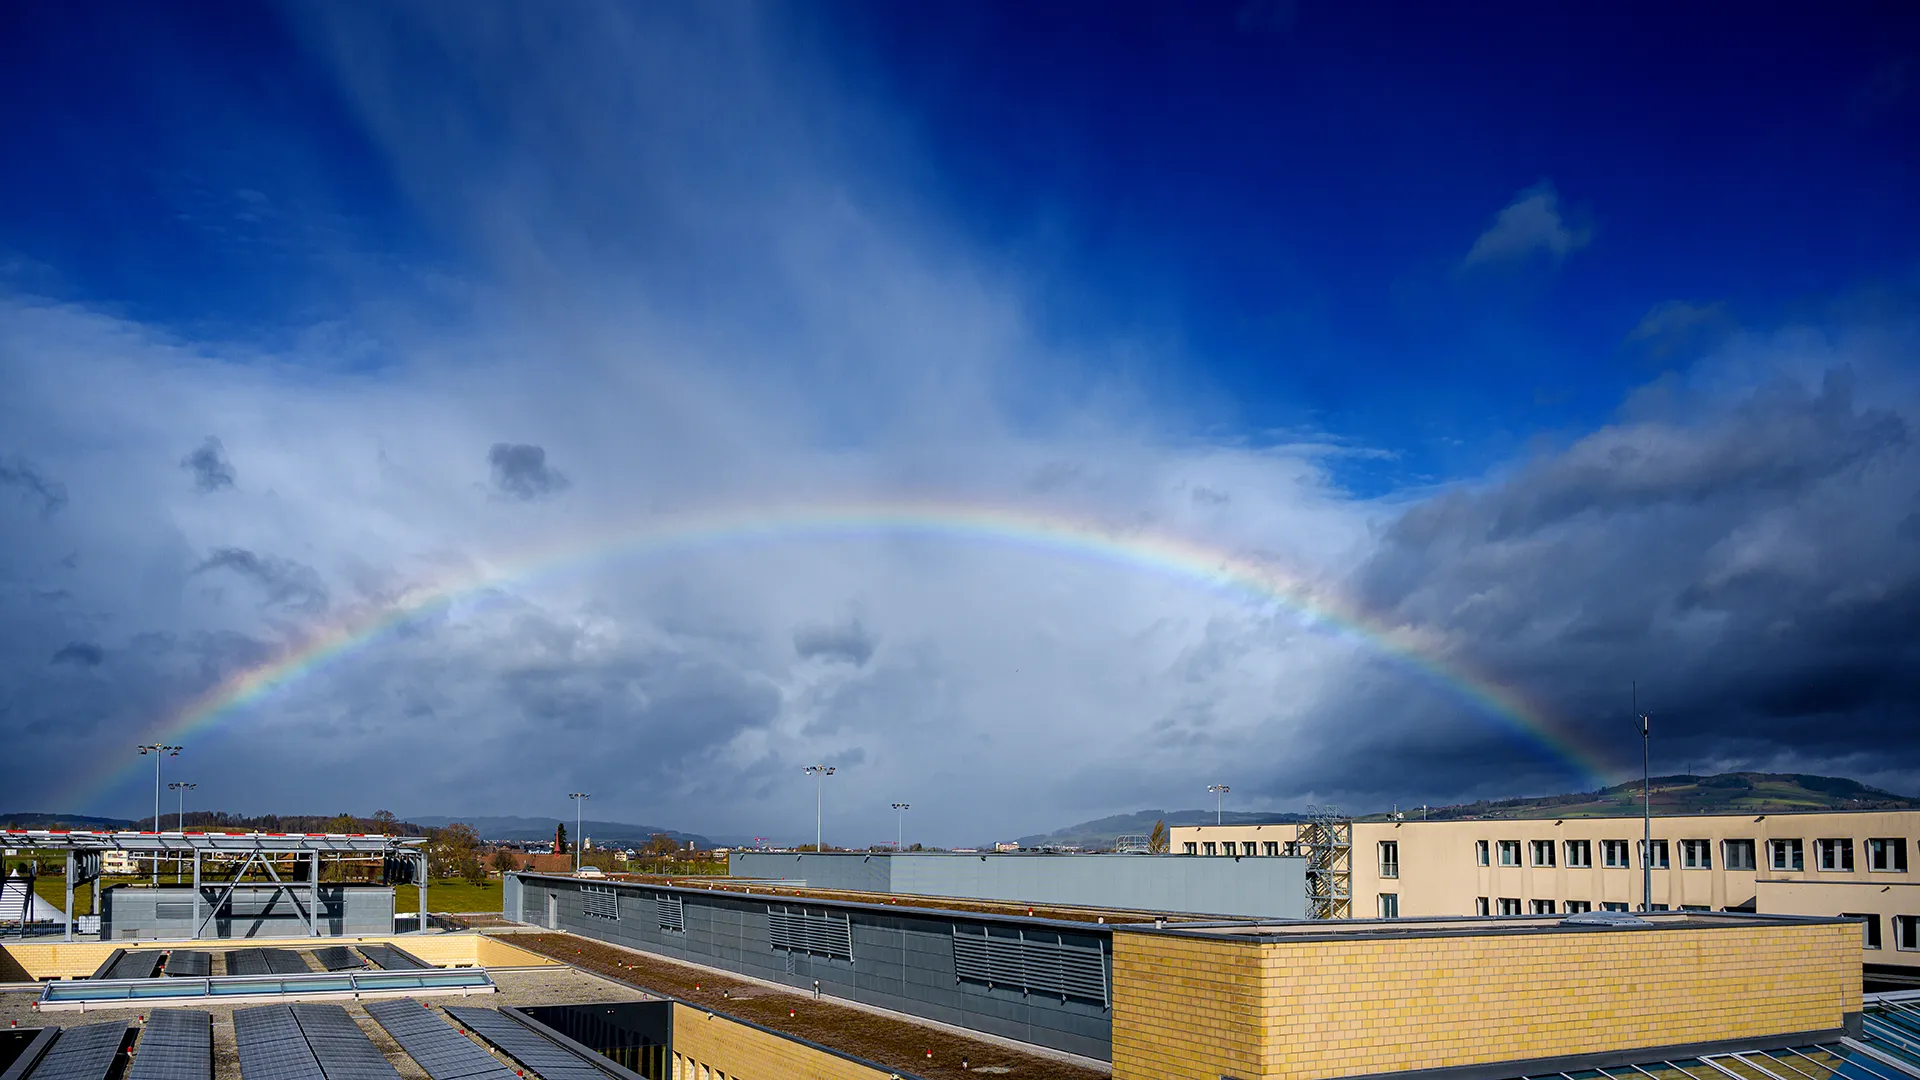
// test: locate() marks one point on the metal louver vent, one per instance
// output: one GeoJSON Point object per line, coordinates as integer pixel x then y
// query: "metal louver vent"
{"type": "Point", "coordinates": [817, 933]}
{"type": "Point", "coordinates": [600, 901]}
{"type": "Point", "coordinates": [1034, 961]}
{"type": "Point", "coordinates": [670, 911]}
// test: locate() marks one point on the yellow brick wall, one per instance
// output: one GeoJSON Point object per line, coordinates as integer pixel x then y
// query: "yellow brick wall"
{"type": "Point", "coordinates": [704, 1049]}
{"type": "Point", "coordinates": [1346, 1008]}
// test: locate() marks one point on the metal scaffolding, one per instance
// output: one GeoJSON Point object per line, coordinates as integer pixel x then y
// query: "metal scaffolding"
{"type": "Point", "coordinates": [400, 856]}
{"type": "Point", "coordinates": [1326, 839]}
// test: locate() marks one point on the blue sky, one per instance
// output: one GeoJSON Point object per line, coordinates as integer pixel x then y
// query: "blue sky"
{"type": "Point", "coordinates": [1419, 303]}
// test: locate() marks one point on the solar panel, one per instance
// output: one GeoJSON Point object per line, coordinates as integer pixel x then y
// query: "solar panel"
{"type": "Point", "coordinates": [527, 1046]}
{"type": "Point", "coordinates": [343, 1050]}
{"type": "Point", "coordinates": [266, 962]}
{"type": "Point", "coordinates": [389, 958]}
{"type": "Point", "coordinates": [246, 962]}
{"type": "Point", "coordinates": [272, 1046]}
{"type": "Point", "coordinates": [136, 965]}
{"type": "Point", "coordinates": [176, 1044]}
{"type": "Point", "coordinates": [189, 963]}
{"type": "Point", "coordinates": [444, 1053]}
{"type": "Point", "coordinates": [83, 1053]}
{"type": "Point", "coordinates": [338, 958]}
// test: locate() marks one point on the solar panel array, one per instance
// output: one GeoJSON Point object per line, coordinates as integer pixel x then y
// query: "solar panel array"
{"type": "Point", "coordinates": [527, 1046]}
{"type": "Point", "coordinates": [338, 958]}
{"type": "Point", "coordinates": [83, 1053]}
{"type": "Point", "coordinates": [272, 1046]}
{"type": "Point", "coordinates": [176, 1044]}
{"type": "Point", "coordinates": [443, 1052]}
{"type": "Point", "coordinates": [388, 958]}
{"type": "Point", "coordinates": [189, 963]}
{"type": "Point", "coordinates": [266, 962]}
{"type": "Point", "coordinates": [134, 965]}
{"type": "Point", "coordinates": [343, 1050]}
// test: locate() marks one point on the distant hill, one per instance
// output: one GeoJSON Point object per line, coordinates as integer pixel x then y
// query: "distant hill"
{"type": "Point", "coordinates": [1100, 833]}
{"type": "Point", "coordinates": [62, 821]}
{"type": "Point", "coordinates": [528, 829]}
{"type": "Point", "coordinates": [1725, 793]}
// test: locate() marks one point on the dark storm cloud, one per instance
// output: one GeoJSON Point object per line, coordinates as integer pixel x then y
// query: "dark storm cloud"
{"type": "Point", "coordinates": [79, 654]}
{"type": "Point", "coordinates": [847, 642]}
{"type": "Point", "coordinates": [1749, 570]}
{"type": "Point", "coordinates": [288, 585]}
{"type": "Point", "coordinates": [209, 465]}
{"type": "Point", "coordinates": [521, 472]}
{"type": "Point", "coordinates": [33, 485]}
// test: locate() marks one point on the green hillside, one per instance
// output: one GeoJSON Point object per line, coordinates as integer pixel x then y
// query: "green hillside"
{"type": "Point", "coordinates": [1726, 793]}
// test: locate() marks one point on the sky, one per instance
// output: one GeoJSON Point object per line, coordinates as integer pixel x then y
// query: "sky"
{"type": "Point", "coordinates": [1034, 412]}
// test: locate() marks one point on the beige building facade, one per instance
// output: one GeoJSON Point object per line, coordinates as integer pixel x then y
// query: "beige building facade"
{"type": "Point", "coordinates": [1858, 864]}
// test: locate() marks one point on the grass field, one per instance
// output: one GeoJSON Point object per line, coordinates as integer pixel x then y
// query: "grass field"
{"type": "Point", "coordinates": [450, 894]}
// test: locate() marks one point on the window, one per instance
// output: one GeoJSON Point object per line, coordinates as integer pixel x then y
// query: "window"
{"type": "Point", "coordinates": [1510, 905]}
{"type": "Point", "coordinates": [1737, 854]}
{"type": "Point", "coordinates": [600, 902]}
{"type": "Point", "coordinates": [1542, 907]}
{"type": "Point", "coordinates": [1482, 906]}
{"type": "Point", "coordinates": [1247, 847]}
{"type": "Point", "coordinates": [1272, 848]}
{"type": "Point", "coordinates": [1509, 853]}
{"type": "Point", "coordinates": [1696, 854]}
{"type": "Point", "coordinates": [1541, 853]}
{"type": "Point", "coordinates": [1389, 859]}
{"type": "Point", "coordinates": [1887, 856]}
{"type": "Point", "coordinates": [1659, 859]}
{"type": "Point", "coordinates": [1290, 848]}
{"type": "Point", "coordinates": [1613, 854]}
{"type": "Point", "coordinates": [1389, 905]}
{"type": "Point", "coordinates": [1212, 848]}
{"type": "Point", "coordinates": [1656, 907]}
{"type": "Point", "coordinates": [1906, 933]}
{"type": "Point", "coordinates": [1579, 854]}
{"type": "Point", "coordinates": [1193, 847]}
{"type": "Point", "coordinates": [1869, 929]}
{"type": "Point", "coordinates": [1613, 905]}
{"type": "Point", "coordinates": [1836, 855]}
{"type": "Point", "coordinates": [1579, 907]}
{"type": "Point", "coordinates": [1480, 853]}
{"type": "Point", "coordinates": [1787, 854]}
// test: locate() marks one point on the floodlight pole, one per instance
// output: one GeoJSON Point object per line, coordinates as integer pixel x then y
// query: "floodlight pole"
{"type": "Point", "coordinates": [157, 750]}
{"type": "Point", "coordinates": [819, 774]}
{"type": "Point", "coordinates": [182, 788]}
{"type": "Point", "coordinates": [579, 803]}
{"type": "Point", "coordinates": [1219, 797]}
{"type": "Point", "coordinates": [1646, 804]}
{"type": "Point", "coordinates": [900, 824]}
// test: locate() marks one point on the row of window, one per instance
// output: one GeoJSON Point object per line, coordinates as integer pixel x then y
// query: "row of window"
{"type": "Point", "coordinates": [1245, 847]}
{"type": "Point", "coordinates": [1884, 854]}
{"type": "Point", "coordinates": [1906, 931]}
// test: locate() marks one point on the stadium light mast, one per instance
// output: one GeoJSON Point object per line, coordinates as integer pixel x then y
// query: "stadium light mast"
{"type": "Point", "coordinates": [1646, 804]}
{"type": "Point", "coordinates": [1219, 798]}
{"type": "Point", "coordinates": [158, 750]}
{"type": "Point", "coordinates": [579, 809]}
{"type": "Point", "coordinates": [182, 788]}
{"type": "Point", "coordinates": [900, 823]}
{"type": "Point", "coordinates": [819, 774]}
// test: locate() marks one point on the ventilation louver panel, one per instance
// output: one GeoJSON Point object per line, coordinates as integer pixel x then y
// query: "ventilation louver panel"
{"type": "Point", "coordinates": [817, 933]}
{"type": "Point", "coordinates": [670, 911]}
{"type": "Point", "coordinates": [600, 901]}
{"type": "Point", "coordinates": [1034, 961]}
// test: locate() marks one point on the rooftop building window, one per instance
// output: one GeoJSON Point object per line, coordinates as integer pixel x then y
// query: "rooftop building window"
{"type": "Point", "coordinates": [1389, 905]}
{"type": "Point", "coordinates": [1510, 853]}
{"type": "Point", "coordinates": [1291, 847]}
{"type": "Point", "coordinates": [1542, 907]}
{"type": "Point", "coordinates": [1480, 853]}
{"type": "Point", "coordinates": [1657, 858]}
{"type": "Point", "coordinates": [1887, 855]}
{"type": "Point", "coordinates": [1389, 859]}
{"type": "Point", "coordinates": [1579, 854]}
{"type": "Point", "coordinates": [1613, 905]}
{"type": "Point", "coordinates": [1248, 847]}
{"type": "Point", "coordinates": [1542, 853]}
{"type": "Point", "coordinates": [1509, 905]}
{"type": "Point", "coordinates": [1836, 855]}
{"type": "Point", "coordinates": [1212, 848]}
{"type": "Point", "coordinates": [1787, 854]}
{"type": "Point", "coordinates": [1696, 854]}
{"type": "Point", "coordinates": [1737, 854]}
{"type": "Point", "coordinates": [1482, 906]}
{"type": "Point", "coordinates": [1193, 847]}
{"type": "Point", "coordinates": [1906, 933]}
{"type": "Point", "coordinates": [1272, 847]}
{"type": "Point", "coordinates": [1869, 929]}
{"type": "Point", "coordinates": [1613, 854]}
{"type": "Point", "coordinates": [1579, 907]}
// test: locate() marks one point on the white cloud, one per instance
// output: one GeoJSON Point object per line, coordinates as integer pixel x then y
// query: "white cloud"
{"type": "Point", "coordinates": [1532, 223]}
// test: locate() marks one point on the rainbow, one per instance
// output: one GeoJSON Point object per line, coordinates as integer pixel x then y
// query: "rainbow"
{"type": "Point", "coordinates": [966, 522]}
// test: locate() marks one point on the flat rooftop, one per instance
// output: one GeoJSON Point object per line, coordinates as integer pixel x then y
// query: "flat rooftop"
{"type": "Point", "coordinates": [1277, 930]}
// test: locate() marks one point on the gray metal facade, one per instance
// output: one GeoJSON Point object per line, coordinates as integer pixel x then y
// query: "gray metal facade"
{"type": "Point", "coordinates": [1036, 980]}
{"type": "Point", "coordinates": [1261, 887]}
{"type": "Point", "coordinates": [167, 913]}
